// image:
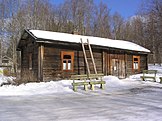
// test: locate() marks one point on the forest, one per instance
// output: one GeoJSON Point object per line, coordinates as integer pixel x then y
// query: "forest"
{"type": "Point", "coordinates": [82, 16]}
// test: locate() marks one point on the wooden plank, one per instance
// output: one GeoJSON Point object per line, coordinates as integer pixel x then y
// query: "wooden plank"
{"type": "Point", "coordinates": [103, 61]}
{"type": "Point", "coordinates": [94, 65]}
{"type": "Point", "coordinates": [39, 71]}
{"type": "Point", "coordinates": [109, 64]}
{"type": "Point", "coordinates": [40, 62]}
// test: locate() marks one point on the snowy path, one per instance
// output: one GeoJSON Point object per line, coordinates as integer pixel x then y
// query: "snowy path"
{"type": "Point", "coordinates": [136, 104]}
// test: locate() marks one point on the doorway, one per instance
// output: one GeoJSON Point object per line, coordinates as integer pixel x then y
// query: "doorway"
{"type": "Point", "coordinates": [117, 65]}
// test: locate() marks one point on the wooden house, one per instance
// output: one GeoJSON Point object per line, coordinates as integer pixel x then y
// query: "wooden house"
{"type": "Point", "coordinates": [7, 65]}
{"type": "Point", "coordinates": [53, 55]}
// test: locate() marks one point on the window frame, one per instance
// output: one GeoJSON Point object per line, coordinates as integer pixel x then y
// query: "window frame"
{"type": "Point", "coordinates": [137, 62]}
{"type": "Point", "coordinates": [63, 53]}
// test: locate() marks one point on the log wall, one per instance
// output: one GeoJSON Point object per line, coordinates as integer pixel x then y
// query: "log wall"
{"type": "Point", "coordinates": [52, 62]}
{"type": "Point", "coordinates": [143, 64]}
{"type": "Point", "coordinates": [29, 48]}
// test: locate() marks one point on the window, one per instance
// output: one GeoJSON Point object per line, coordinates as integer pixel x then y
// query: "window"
{"type": "Point", "coordinates": [5, 61]}
{"type": "Point", "coordinates": [67, 60]}
{"type": "Point", "coordinates": [30, 61]}
{"type": "Point", "coordinates": [136, 62]}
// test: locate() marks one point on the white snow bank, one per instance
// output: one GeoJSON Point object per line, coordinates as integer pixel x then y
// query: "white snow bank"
{"type": "Point", "coordinates": [5, 79]}
{"type": "Point", "coordinates": [64, 86]}
{"type": "Point", "coordinates": [112, 81]}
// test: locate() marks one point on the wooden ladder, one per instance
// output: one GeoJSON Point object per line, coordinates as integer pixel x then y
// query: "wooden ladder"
{"type": "Point", "coordinates": [91, 55]}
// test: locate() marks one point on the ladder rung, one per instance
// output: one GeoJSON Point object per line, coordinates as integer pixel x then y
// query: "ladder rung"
{"type": "Point", "coordinates": [87, 50]}
{"type": "Point", "coordinates": [85, 43]}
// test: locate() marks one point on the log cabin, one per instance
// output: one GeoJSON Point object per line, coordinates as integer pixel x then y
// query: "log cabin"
{"type": "Point", "coordinates": [54, 55]}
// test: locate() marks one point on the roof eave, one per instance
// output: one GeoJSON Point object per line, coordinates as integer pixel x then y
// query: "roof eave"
{"type": "Point", "coordinates": [25, 31]}
{"type": "Point", "coordinates": [49, 41]}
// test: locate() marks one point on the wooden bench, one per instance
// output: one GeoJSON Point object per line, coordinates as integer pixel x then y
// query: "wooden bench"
{"type": "Point", "coordinates": [82, 81]}
{"type": "Point", "coordinates": [98, 80]}
{"type": "Point", "coordinates": [146, 76]}
{"type": "Point", "coordinates": [160, 79]}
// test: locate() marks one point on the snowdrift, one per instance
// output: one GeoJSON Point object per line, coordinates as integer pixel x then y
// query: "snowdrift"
{"type": "Point", "coordinates": [56, 87]}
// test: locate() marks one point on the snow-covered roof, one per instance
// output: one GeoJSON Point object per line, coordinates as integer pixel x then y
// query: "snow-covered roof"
{"type": "Point", "coordinates": [120, 44]}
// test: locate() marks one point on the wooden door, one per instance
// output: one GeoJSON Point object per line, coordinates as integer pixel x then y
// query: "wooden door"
{"type": "Point", "coordinates": [121, 69]}
{"type": "Point", "coordinates": [114, 67]}
{"type": "Point", "coordinates": [117, 67]}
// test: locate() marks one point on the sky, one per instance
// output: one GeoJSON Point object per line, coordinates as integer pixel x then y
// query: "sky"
{"type": "Point", "coordinates": [127, 8]}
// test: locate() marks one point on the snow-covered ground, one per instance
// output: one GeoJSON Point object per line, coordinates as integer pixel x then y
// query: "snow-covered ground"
{"type": "Point", "coordinates": [127, 99]}
{"type": "Point", "coordinates": [64, 86]}
{"type": "Point", "coordinates": [155, 67]}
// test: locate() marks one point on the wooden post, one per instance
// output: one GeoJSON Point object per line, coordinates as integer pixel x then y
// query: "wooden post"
{"type": "Point", "coordinates": [40, 62]}
{"type": "Point", "coordinates": [39, 77]}
{"type": "Point", "coordinates": [106, 62]}
{"type": "Point", "coordinates": [125, 59]}
{"type": "Point", "coordinates": [103, 62]}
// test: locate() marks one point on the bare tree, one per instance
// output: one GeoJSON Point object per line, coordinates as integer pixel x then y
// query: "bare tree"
{"type": "Point", "coordinates": [117, 25]}
{"type": "Point", "coordinates": [154, 29]}
{"type": "Point", "coordinates": [101, 25]}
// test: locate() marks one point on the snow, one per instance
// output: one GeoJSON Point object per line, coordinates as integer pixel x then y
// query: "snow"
{"type": "Point", "coordinates": [155, 67]}
{"type": "Point", "coordinates": [121, 100]}
{"type": "Point", "coordinates": [4, 79]}
{"type": "Point", "coordinates": [53, 87]}
{"type": "Point", "coordinates": [56, 87]}
{"type": "Point", "coordinates": [127, 99]}
{"type": "Point", "coordinates": [64, 86]}
{"type": "Point", "coordinates": [120, 44]}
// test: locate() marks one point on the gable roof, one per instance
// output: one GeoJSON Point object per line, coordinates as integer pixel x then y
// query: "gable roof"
{"type": "Point", "coordinates": [64, 37]}
{"type": "Point", "coordinates": [6, 58]}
